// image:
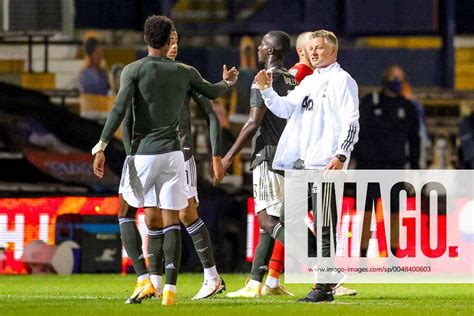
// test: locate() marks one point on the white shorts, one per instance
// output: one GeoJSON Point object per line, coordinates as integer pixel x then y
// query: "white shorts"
{"type": "Point", "coordinates": [191, 179]}
{"type": "Point", "coordinates": [268, 190]}
{"type": "Point", "coordinates": [155, 181]}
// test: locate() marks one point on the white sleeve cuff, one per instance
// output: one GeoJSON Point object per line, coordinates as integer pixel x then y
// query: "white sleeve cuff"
{"type": "Point", "coordinates": [100, 146]}
{"type": "Point", "coordinates": [229, 83]}
{"type": "Point", "coordinates": [267, 92]}
{"type": "Point", "coordinates": [342, 152]}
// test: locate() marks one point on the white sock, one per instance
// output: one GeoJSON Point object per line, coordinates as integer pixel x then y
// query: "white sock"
{"type": "Point", "coordinates": [156, 280]}
{"type": "Point", "coordinates": [143, 277]}
{"type": "Point", "coordinates": [169, 288]}
{"type": "Point", "coordinates": [254, 284]}
{"type": "Point", "coordinates": [210, 273]}
{"type": "Point", "coordinates": [272, 282]}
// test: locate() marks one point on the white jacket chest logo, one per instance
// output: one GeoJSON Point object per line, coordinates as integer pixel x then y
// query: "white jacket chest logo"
{"type": "Point", "coordinates": [307, 104]}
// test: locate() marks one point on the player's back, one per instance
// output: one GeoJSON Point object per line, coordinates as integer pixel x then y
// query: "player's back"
{"type": "Point", "coordinates": [155, 89]}
{"type": "Point", "coordinates": [161, 86]}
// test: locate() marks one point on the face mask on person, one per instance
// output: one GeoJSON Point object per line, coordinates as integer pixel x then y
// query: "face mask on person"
{"type": "Point", "coordinates": [395, 86]}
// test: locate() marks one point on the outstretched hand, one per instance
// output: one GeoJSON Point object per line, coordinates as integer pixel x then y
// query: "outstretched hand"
{"type": "Point", "coordinates": [330, 171]}
{"type": "Point", "coordinates": [226, 162]}
{"type": "Point", "coordinates": [334, 164]}
{"type": "Point", "coordinates": [230, 75]}
{"type": "Point", "coordinates": [217, 170]}
{"type": "Point", "coordinates": [263, 80]}
{"type": "Point", "coordinates": [98, 164]}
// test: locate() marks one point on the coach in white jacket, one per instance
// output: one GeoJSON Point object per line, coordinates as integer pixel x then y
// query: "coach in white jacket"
{"type": "Point", "coordinates": [322, 128]}
{"type": "Point", "coordinates": [323, 112]}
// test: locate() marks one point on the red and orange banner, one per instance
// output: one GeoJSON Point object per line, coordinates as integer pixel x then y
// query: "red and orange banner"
{"type": "Point", "coordinates": [23, 220]}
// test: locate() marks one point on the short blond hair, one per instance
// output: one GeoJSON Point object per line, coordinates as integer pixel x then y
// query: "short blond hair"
{"type": "Point", "coordinates": [328, 36]}
{"type": "Point", "coordinates": [302, 39]}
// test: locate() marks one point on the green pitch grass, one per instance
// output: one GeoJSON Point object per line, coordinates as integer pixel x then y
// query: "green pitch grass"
{"type": "Point", "coordinates": [105, 295]}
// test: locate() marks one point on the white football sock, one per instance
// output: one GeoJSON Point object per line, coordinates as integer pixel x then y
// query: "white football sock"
{"type": "Point", "coordinates": [254, 284]}
{"type": "Point", "coordinates": [143, 277]}
{"type": "Point", "coordinates": [169, 288]}
{"type": "Point", "coordinates": [210, 273]}
{"type": "Point", "coordinates": [156, 281]}
{"type": "Point", "coordinates": [272, 282]}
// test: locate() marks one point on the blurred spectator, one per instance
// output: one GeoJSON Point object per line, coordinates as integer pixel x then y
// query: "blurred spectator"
{"type": "Point", "coordinates": [442, 153]}
{"type": "Point", "coordinates": [115, 72]}
{"type": "Point", "coordinates": [240, 98]}
{"type": "Point", "coordinates": [93, 77]}
{"type": "Point", "coordinates": [466, 136]}
{"type": "Point", "coordinates": [389, 125]}
{"type": "Point", "coordinates": [425, 142]}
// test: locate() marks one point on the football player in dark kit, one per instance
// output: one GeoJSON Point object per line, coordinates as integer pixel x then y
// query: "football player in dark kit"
{"type": "Point", "coordinates": [189, 217]}
{"type": "Point", "coordinates": [268, 185]}
{"type": "Point", "coordinates": [154, 88]}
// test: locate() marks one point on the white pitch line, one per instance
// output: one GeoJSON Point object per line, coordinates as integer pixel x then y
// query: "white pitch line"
{"type": "Point", "coordinates": [59, 297]}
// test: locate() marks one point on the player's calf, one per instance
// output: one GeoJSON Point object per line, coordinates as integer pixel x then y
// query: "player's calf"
{"type": "Point", "coordinates": [271, 225]}
{"type": "Point", "coordinates": [197, 230]}
{"type": "Point", "coordinates": [155, 258]}
{"type": "Point", "coordinates": [154, 223]}
{"type": "Point", "coordinates": [172, 250]}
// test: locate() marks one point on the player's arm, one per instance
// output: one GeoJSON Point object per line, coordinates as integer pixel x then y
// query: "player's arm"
{"type": "Point", "coordinates": [281, 106]}
{"type": "Point", "coordinates": [123, 100]}
{"type": "Point", "coordinates": [248, 130]}
{"type": "Point", "coordinates": [215, 135]}
{"type": "Point", "coordinates": [127, 127]}
{"type": "Point", "coordinates": [347, 102]}
{"type": "Point", "coordinates": [213, 90]}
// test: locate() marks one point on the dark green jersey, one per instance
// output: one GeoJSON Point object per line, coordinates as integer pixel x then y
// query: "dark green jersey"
{"type": "Point", "coordinates": [155, 89]}
{"type": "Point", "coordinates": [185, 132]}
{"type": "Point", "coordinates": [265, 141]}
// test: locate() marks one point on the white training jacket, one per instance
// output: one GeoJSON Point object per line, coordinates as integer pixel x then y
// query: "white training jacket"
{"type": "Point", "coordinates": [323, 119]}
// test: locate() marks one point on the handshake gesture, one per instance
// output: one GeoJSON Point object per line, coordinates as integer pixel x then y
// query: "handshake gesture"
{"type": "Point", "coordinates": [230, 76]}
{"type": "Point", "coordinates": [263, 79]}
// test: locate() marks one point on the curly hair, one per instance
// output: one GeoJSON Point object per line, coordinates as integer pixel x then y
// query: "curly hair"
{"type": "Point", "coordinates": [158, 29]}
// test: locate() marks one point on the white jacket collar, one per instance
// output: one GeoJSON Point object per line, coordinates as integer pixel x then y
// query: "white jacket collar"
{"type": "Point", "coordinates": [332, 67]}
